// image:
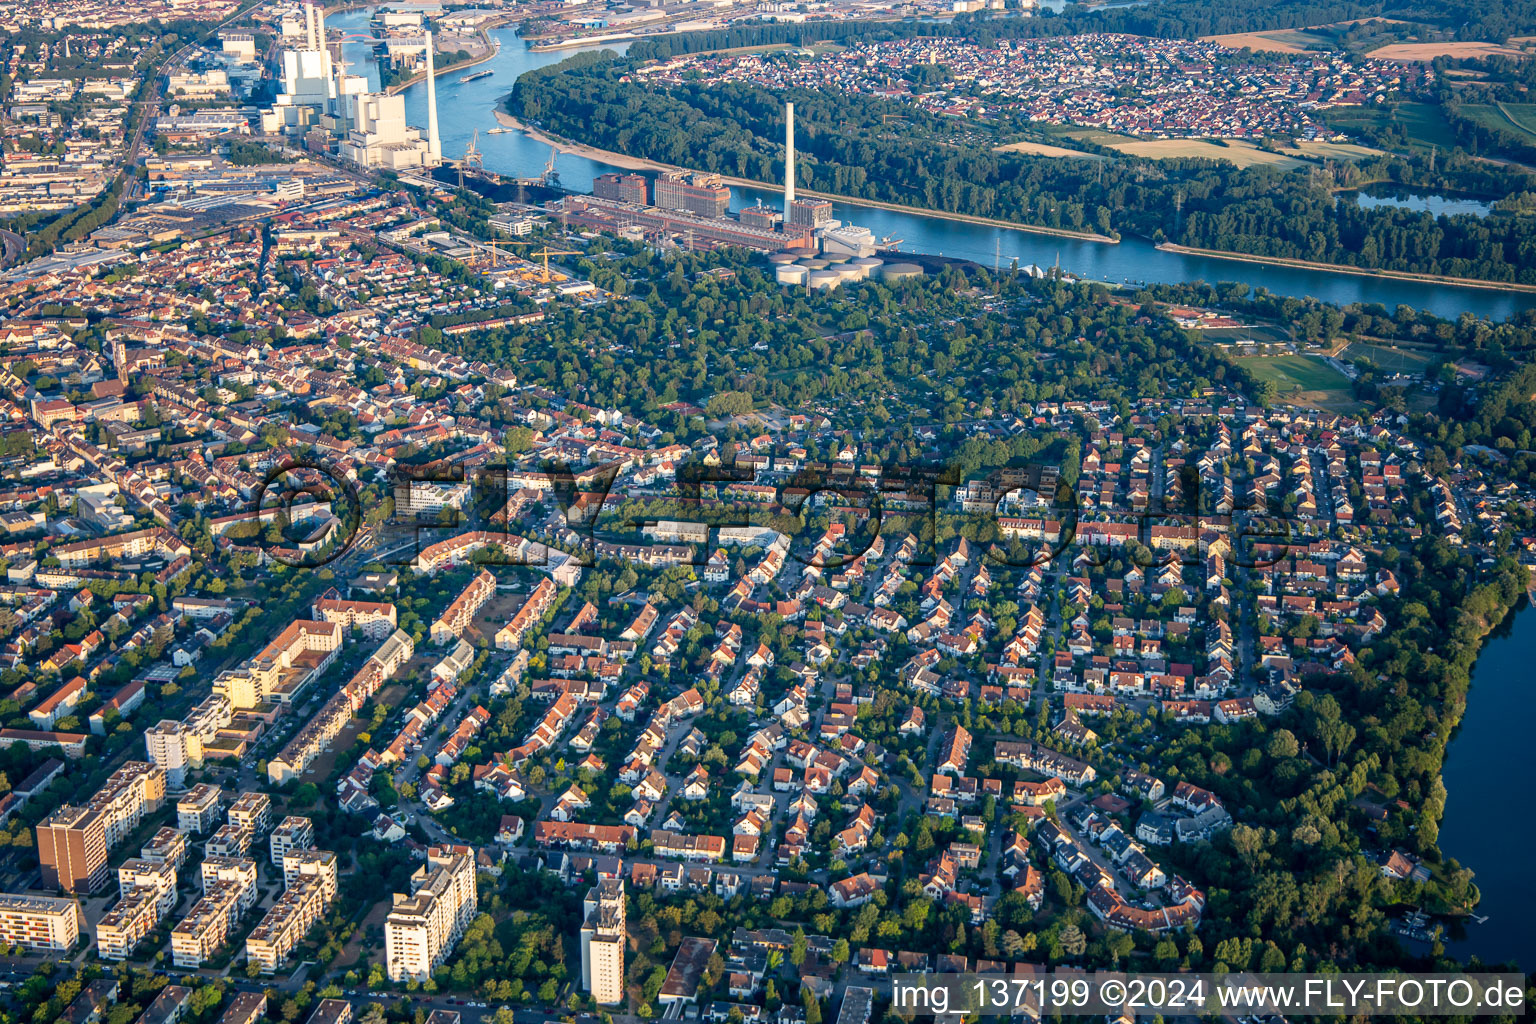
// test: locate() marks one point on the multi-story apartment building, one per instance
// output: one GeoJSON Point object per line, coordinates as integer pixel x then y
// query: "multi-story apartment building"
{"type": "Point", "coordinates": [375, 619]}
{"type": "Point", "coordinates": [229, 841]}
{"type": "Point", "coordinates": [175, 748]}
{"type": "Point", "coordinates": [229, 889]}
{"type": "Point", "coordinates": [166, 846]}
{"type": "Point", "coordinates": [602, 941]}
{"type": "Point", "coordinates": [72, 843]}
{"type": "Point", "coordinates": [39, 923]}
{"type": "Point", "coordinates": [310, 879]}
{"type": "Point", "coordinates": [148, 893]}
{"type": "Point", "coordinates": [253, 812]}
{"type": "Point", "coordinates": [292, 833]}
{"type": "Point", "coordinates": [280, 670]}
{"type": "Point", "coordinates": [316, 734]}
{"type": "Point", "coordinates": [423, 927]}
{"type": "Point", "coordinates": [456, 618]}
{"type": "Point", "coordinates": [127, 924]}
{"type": "Point", "coordinates": [198, 810]}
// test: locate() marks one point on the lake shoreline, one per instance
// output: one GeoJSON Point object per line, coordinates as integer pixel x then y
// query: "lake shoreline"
{"type": "Point", "coordinates": [640, 163]}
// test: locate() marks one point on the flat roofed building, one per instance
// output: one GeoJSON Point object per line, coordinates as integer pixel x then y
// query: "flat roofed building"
{"type": "Point", "coordinates": [252, 812]}
{"type": "Point", "coordinates": [39, 923]}
{"type": "Point", "coordinates": [72, 843]}
{"type": "Point", "coordinates": [198, 810]}
{"type": "Point", "coordinates": [603, 935]}
{"type": "Point", "coordinates": [423, 927]}
{"type": "Point", "coordinates": [292, 833]}
{"type": "Point", "coordinates": [331, 1011]}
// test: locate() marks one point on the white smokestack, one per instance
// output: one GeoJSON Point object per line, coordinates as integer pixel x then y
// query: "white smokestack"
{"type": "Point", "coordinates": [434, 144]}
{"type": "Point", "coordinates": [789, 156]}
{"type": "Point", "coordinates": [314, 27]}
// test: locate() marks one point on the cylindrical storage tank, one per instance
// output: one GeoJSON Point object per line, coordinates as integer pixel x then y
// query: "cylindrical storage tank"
{"type": "Point", "coordinates": [900, 271]}
{"type": "Point", "coordinates": [790, 274]}
{"type": "Point", "coordinates": [825, 279]}
{"type": "Point", "coordinates": [781, 258]}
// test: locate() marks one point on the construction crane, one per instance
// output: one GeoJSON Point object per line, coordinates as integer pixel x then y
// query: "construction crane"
{"type": "Point", "coordinates": [472, 159]}
{"type": "Point", "coordinates": [546, 252]}
{"type": "Point", "coordinates": [551, 177]}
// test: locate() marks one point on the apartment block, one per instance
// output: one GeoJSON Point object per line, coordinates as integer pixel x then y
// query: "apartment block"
{"type": "Point", "coordinates": [229, 889]}
{"type": "Point", "coordinates": [167, 846]}
{"type": "Point", "coordinates": [423, 927]}
{"type": "Point", "coordinates": [229, 841]}
{"type": "Point", "coordinates": [310, 889]}
{"type": "Point", "coordinates": [72, 843]}
{"type": "Point", "coordinates": [456, 618]}
{"type": "Point", "coordinates": [127, 924]}
{"type": "Point", "coordinates": [281, 670]}
{"type": "Point", "coordinates": [373, 619]}
{"type": "Point", "coordinates": [602, 941]}
{"type": "Point", "coordinates": [156, 876]}
{"type": "Point", "coordinates": [252, 812]}
{"type": "Point", "coordinates": [198, 811]}
{"type": "Point", "coordinates": [316, 735]}
{"type": "Point", "coordinates": [39, 923]}
{"type": "Point", "coordinates": [292, 833]}
{"type": "Point", "coordinates": [175, 748]}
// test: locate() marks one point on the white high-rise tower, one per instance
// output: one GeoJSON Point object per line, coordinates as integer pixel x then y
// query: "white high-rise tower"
{"type": "Point", "coordinates": [789, 156]}
{"type": "Point", "coordinates": [434, 144]}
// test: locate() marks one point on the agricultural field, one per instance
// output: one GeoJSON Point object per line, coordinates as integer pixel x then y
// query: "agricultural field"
{"type": "Point", "coordinates": [1506, 117]}
{"type": "Point", "coordinates": [1424, 123]}
{"type": "Point", "coordinates": [1042, 149]}
{"type": "Point", "coordinates": [1453, 50]}
{"type": "Point", "coordinates": [1234, 151]}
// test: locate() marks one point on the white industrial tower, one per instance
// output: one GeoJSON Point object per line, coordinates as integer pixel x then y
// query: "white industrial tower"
{"type": "Point", "coordinates": [314, 27]}
{"type": "Point", "coordinates": [789, 156]}
{"type": "Point", "coordinates": [434, 143]}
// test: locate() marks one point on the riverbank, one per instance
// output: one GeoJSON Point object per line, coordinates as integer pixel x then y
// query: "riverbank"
{"type": "Point", "coordinates": [633, 163]}
{"type": "Point", "coordinates": [1340, 268]}
{"type": "Point", "coordinates": [493, 50]}
{"type": "Point", "coordinates": [571, 42]}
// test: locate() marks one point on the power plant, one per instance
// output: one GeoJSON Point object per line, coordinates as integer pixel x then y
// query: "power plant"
{"type": "Point", "coordinates": [334, 111]}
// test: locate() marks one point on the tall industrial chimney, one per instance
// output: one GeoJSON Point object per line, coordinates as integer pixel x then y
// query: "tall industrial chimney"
{"type": "Point", "coordinates": [314, 27]}
{"type": "Point", "coordinates": [434, 144]}
{"type": "Point", "coordinates": [789, 157]}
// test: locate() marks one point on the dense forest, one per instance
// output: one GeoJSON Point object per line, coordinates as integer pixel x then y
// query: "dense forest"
{"type": "Point", "coordinates": [734, 128]}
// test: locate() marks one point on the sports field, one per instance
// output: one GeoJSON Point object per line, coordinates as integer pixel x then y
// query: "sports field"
{"type": "Point", "coordinates": [1389, 359]}
{"type": "Point", "coordinates": [1291, 372]}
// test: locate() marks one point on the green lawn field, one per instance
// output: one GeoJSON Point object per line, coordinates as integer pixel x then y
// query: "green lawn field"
{"type": "Point", "coordinates": [1290, 372]}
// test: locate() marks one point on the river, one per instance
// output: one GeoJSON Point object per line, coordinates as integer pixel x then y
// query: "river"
{"type": "Point", "coordinates": [1489, 759]}
{"type": "Point", "coordinates": [463, 108]}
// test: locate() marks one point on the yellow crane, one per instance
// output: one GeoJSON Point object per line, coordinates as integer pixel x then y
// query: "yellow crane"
{"type": "Point", "coordinates": [546, 252]}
